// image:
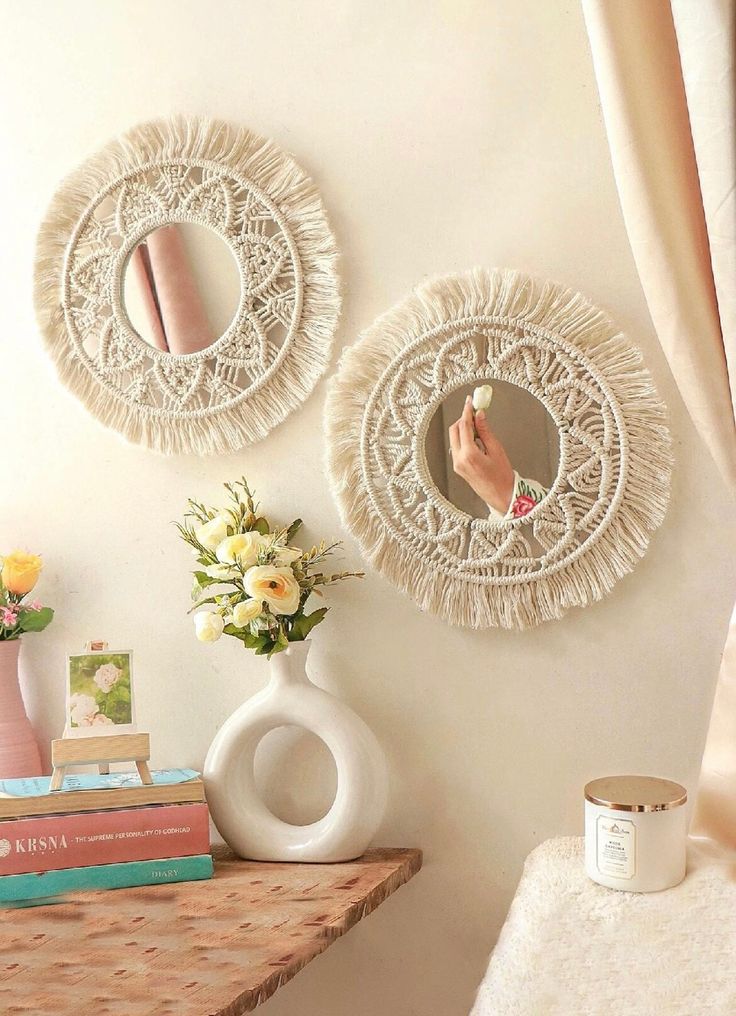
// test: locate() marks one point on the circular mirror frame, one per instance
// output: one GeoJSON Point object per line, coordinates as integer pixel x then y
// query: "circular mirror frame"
{"type": "Point", "coordinates": [612, 487]}
{"type": "Point", "coordinates": [269, 213]}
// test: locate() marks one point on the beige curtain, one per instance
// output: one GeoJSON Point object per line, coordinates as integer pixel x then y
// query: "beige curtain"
{"type": "Point", "coordinates": [665, 71]}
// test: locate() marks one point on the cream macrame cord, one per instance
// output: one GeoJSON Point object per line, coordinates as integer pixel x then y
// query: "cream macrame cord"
{"type": "Point", "coordinates": [267, 211]}
{"type": "Point", "coordinates": [612, 486]}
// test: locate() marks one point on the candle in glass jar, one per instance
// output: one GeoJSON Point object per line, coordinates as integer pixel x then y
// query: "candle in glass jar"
{"type": "Point", "coordinates": [635, 833]}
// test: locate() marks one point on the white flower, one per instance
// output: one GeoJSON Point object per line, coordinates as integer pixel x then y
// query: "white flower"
{"type": "Point", "coordinates": [286, 555]}
{"type": "Point", "coordinates": [82, 708]}
{"type": "Point", "coordinates": [482, 397]}
{"type": "Point", "coordinates": [243, 548]}
{"type": "Point", "coordinates": [277, 586]}
{"type": "Point", "coordinates": [246, 611]}
{"type": "Point", "coordinates": [107, 676]}
{"type": "Point", "coordinates": [213, 532]}
{"type": "Point", "coordinates": [220, 571]}
{"type": "Point", "coordinates": [100, 720]}
{"type": "Point", "coordinates": [208, 626]}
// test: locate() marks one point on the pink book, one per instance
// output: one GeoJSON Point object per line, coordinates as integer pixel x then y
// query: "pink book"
{"type": "Point", "coordinates": [50, 842]}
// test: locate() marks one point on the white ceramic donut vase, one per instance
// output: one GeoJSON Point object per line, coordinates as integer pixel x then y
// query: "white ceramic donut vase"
{"type": "Point", "coordinates": [241, 817]}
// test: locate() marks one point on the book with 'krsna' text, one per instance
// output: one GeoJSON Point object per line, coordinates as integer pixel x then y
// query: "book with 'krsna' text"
{"type": "Point", "coordinates": [51, 842]}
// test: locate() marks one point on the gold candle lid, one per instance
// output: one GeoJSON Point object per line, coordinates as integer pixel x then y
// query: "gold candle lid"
{"type": "Point", "coordinates": [635, 793]}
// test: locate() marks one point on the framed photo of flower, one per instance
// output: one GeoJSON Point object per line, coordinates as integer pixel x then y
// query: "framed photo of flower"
{"type": "Point", "coordinates": [99, 694]}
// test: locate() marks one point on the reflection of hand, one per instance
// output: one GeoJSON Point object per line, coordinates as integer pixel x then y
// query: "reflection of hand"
{"type": "Point", "coordinates": [479, 458]}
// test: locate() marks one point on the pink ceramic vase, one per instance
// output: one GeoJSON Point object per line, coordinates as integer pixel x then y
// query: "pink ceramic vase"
{"type": "Point", "coordinates": [19, 754]}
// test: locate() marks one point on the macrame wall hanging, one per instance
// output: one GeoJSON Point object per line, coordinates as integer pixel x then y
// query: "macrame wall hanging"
{"type": "Point", "coordinates": [612, 484]}
{"type": "Point", "coordinates": [268, 213]}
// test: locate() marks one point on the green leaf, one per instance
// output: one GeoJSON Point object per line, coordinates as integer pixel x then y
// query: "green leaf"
{"type": "Point", "coordinates": [201, 603]}
{"type": "Point", "coordinates": [304, 624]}
{"type": "Point", "coordinates": [249, 640]}
{"type": "Point", "coordinates": [35, 620]}
{"type": "Point", "coordinates": [261, 526]}
{"type": "Point", "coordinates": [293, 529]}
{"type": "Point", "coordinates": [116, 703]}
{"type": "Point", "coordinates": [267, 648]}
{"type": "Point", "coordinates": [203, 579]}
{"type": "Point", "coordinates": [256, 642]}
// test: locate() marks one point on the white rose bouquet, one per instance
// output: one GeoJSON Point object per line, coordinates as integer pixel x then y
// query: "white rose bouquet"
{"type": "Point", "coordinates": [264, 582]}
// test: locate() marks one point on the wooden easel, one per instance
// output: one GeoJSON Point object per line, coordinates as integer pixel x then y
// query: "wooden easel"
{"type": "Point", "coordinates": [100, 751]}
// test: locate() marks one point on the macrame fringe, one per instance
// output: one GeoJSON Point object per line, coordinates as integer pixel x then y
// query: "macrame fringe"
{"type": "Point", "coordinates": [298, 200]}
{"type": "Point", "coordinates": [603, 559]}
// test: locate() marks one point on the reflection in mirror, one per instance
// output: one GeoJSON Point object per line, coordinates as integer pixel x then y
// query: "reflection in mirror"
{"type": "Point", "coordinates": [528, 445]}
{"type": "Point", "coordinates": [181, 288]}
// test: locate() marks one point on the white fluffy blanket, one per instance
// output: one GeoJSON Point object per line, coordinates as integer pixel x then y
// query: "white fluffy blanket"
{"type": "Point", "coordinates": [570, 947]}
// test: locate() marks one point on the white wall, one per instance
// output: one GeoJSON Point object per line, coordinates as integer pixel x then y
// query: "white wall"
{"type": "Point", "coordinates": [443, 135]}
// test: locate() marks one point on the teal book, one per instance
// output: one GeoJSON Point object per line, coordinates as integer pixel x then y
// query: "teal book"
{"type": "Point", "coordinates": [43, 885]}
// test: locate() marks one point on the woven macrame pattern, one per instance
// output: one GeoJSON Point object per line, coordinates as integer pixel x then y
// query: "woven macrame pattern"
{"type": "Point", "coordinates": [267, 212]}
{"type": "Point", "coordinates": [613, 477]}
{"type": "Point", "coordinates": [270, 276]}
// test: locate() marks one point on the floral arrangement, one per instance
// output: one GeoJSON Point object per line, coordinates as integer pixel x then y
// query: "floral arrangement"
{"type": "Point", "coordinates": [18, 576]}
{"type": "Point", "coordinates": [268, 581]}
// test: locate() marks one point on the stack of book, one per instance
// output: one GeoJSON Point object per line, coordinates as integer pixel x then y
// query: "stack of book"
{"type": "Point", "coordinates": [101, 832]}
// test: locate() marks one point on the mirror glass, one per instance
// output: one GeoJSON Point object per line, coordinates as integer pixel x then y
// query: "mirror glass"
{"type": "Point", "coordinates": [525, 430]}
{"type": "Point", "coordinates": [181, 288]}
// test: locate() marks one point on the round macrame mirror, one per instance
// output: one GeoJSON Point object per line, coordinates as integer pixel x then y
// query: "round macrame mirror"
{"type": "Point", "coordinates": [536, 498]}
{"type": "Point", "coordinates": [186, 285]}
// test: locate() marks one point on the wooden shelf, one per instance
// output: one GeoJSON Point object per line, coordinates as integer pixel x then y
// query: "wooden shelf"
{"type": "Point", "coordinates": [215, 948]}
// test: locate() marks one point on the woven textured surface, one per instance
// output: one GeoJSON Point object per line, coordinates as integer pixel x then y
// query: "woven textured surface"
{"type": "Point", "coordinates": [216, 948]}
{"type": "Point", "coordinates": [573, 948]}
{"type": "Point", "coordinates": [612, 486]}
{"type": "Point", "coordinates": [268, 213]}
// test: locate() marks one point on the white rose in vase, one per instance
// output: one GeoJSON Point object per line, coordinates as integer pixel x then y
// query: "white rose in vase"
{"type": "Point", "coordinates": [286, 555]}
{"type": "Point", "coordinates": [277, 586]}
{"type": "Point", "coordinates": [245, 612]}
{"type": "Point", "coordinates": [242, 548]}
{"type": "Point", "coordinates": [212, 533]}
{"type": "Point", "coordinates": [221, 571]}
{"type": "Point", "coordinates": [208, 626]}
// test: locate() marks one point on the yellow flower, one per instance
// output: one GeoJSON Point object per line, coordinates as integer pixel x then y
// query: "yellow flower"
{"type": "Point", "coordinates": [20, 572]}
{"type": "Point", "coordinates": [277, 586]}
{"type": "Point", "coordinates": [246, 611]}
{"type": "Point", "coordinates": [243, 548]}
